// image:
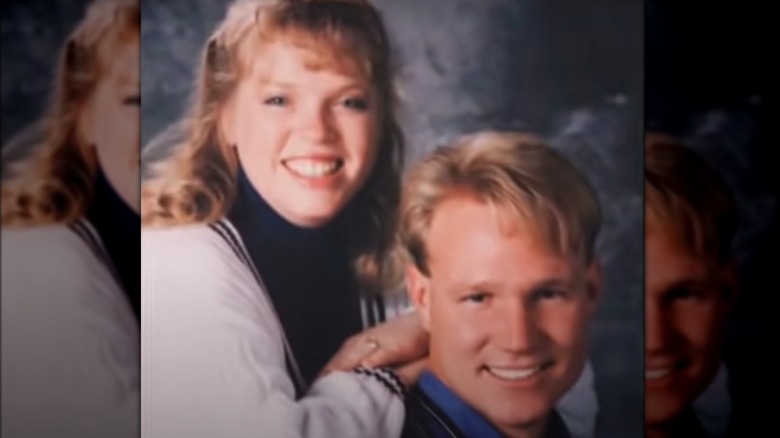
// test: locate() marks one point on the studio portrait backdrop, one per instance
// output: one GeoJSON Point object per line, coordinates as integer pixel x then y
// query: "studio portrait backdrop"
{"type": "Point", "coordinates": [32, 35]}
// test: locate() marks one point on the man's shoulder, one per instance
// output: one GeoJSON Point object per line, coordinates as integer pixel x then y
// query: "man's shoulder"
{"type": "Point", "coordinates": [424, 419]}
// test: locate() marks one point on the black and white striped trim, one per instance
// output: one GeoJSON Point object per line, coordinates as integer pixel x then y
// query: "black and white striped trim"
{"type": "Point", "coordinates": [225, 230]}
{"type": "Point", "coordinates": [89, 235]}
{"type": "Point", "coordinates": [387, 377]}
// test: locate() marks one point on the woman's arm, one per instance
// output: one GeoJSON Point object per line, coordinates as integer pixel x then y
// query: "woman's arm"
{"type": "Point", "coordinates": [213, 358]}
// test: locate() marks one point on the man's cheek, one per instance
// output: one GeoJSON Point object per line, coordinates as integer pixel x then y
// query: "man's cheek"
{"type": "Point", "coordinates": [560, 328]}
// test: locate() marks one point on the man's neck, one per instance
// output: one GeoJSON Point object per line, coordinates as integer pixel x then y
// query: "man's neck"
{"type": "Point", "coordinates": [658, 432]}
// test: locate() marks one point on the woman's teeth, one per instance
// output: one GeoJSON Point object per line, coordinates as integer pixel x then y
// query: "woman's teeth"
{"type": "Point", "coordinates": [313, 168]}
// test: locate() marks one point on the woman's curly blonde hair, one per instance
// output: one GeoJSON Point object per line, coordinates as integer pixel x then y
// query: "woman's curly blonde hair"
{"type": "Point", "coordinates": [197, 182]}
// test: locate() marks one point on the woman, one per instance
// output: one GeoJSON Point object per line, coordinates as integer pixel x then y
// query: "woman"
{"type": "Point", "coordinates": [70, 341]}
{"type": "Point", "coordinates": [275, 217]}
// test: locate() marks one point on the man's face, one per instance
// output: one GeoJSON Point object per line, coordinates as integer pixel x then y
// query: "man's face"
{"type": "Point", "coordinates": [507, 317]}
{"type": "Point", "coordinates": [685, 311]}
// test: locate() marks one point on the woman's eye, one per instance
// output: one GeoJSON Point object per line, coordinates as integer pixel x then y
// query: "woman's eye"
{"type": "Point", "coordinates": [276, 101]}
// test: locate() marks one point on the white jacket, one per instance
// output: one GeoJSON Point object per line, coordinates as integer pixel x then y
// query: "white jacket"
{"type": "Point", "coordinates": [70, 341]}
{"type": "Point", "coordinates": [214, 352]}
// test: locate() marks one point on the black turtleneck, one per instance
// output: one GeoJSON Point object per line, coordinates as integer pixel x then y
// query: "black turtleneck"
{"type": "Point", "coordinates": [119, 228]}
{"type": "Point", "coordinates": [307, 273]}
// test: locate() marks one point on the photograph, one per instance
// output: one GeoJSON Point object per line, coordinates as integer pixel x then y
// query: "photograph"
{"type": "Point", "coordinates": [392, 218]}
{"type": "Point", "coordinates": [71, 223]}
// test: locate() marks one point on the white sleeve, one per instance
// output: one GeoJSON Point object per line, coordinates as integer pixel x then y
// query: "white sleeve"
{"type": "Point", "coordinates": [213, 360]}
{"type": "Point", "coordinates": [70, 350]}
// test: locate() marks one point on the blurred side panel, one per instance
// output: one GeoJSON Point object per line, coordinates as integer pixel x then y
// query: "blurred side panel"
{"type": "Point", "coordinates": [70, 227]}
{"type": "Point", "coordinates": [711, 219]}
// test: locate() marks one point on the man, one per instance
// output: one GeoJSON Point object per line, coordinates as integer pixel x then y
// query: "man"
{"type": "Point", "coordinates": [693, 386]}
{"type": "Point", "coordinates": [500, 231]}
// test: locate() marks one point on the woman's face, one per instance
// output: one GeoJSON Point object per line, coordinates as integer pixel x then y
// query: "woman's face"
{"type": "Point", "coordinates": [306, 137]}
{"type": "Point", "coordinates": [113, 122]}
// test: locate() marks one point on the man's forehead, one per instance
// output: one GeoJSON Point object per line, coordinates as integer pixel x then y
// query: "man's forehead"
{"type": "Point", "coordinates": [473, 268]}
{"type": "Point", "coordinates": [670, 265]}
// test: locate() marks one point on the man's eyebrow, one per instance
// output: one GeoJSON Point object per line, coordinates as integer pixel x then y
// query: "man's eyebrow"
{"type": "Point", "coordinates": [469, 285]}
{"type": "Point", "coordinates": [554, 283]}
{"type": "Point", "coordinates": [689, 283]}
{"type": "Point", "coordinates": [488, 285]}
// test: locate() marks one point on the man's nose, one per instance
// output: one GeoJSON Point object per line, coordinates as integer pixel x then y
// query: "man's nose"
{"type": "Point", "coordinates": [517, 331]}
{"type": "Point", "coordinates": [657, 328]}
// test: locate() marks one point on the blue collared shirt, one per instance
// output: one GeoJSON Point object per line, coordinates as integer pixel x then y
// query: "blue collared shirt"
{"type": "Point", "coordinates": [467, 419]}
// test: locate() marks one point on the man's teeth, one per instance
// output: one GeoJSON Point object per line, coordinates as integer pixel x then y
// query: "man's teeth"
{"type": "Point", "coordinates": [651, 374]}
{"type": "Point", "coordinates": [312, 168]}
{"type": "Point", "coordinates": [515, 373]}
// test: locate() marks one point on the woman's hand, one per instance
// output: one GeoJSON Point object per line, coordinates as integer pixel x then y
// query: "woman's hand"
{"type": "Point", "coordinates": [401, 343]}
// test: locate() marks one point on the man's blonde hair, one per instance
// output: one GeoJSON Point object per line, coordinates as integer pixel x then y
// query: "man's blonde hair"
{"type": "Point", "coordinates": [515, 171]}
{"type": "Point", "coordinates": [688, 197]}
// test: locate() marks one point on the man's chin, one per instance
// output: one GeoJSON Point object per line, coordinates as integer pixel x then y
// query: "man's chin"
{"type": "Point", "coordinates": [518, 412]}
{"type": "Point", "coordinates": [661, 409]}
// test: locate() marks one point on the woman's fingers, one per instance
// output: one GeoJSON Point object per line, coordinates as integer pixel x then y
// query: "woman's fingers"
{"type": "Point", "coordinates": [397, 353]}
{"type": "Point", "coordinates": [394, 343]}
{"type": "Point", "coordinates": [352, 354]}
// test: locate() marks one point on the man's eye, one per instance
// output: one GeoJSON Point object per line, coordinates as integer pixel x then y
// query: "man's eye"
{"type": "Point", "coordinates": [356, 103]}
{"type": "Point", "coordinates": [132, 100]}
{"type": "Point", "coordinates": [549, 294]}
{"type": "Point", "coordinates": [479, 297]}
{"type": "Point", "coordinates": [682, 293]}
